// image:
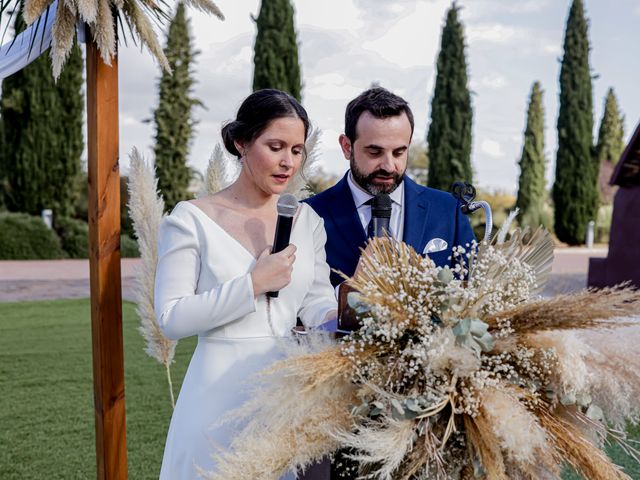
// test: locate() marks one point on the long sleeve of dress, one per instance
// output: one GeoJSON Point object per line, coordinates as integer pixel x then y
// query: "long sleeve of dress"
{"type": "Point", "coordinates": [181, 312]}
{"type": "Point", "coordinates": [320, 299]}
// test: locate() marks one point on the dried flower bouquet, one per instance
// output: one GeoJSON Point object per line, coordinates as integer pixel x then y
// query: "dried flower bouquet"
{"type": "Point", "coordinates": [460, 373]}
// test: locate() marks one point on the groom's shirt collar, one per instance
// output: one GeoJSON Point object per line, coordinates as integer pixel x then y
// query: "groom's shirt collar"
{"type": "Point", "coordinates": [360, 197]}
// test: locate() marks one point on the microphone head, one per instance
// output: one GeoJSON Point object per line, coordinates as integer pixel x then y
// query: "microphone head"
{"type": "Point", "coordinates": [381, 206]}
{"type": "Point", "coordinates": [287, 205]}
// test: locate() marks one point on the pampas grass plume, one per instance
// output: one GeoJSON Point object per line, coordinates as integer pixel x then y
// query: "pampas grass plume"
{"type": "Point", "coordinates": [146, 208]}
{"type": "Point", "coordinates": [298, 185]}
{"type": "Point", "coordinates": [63, 35]}
{"type": "Point", "coordinates": [520, 435]}
{"type": "Point", "coordinates": [34, 8]}
{"type": "Point", "coordinates": [220, 172]}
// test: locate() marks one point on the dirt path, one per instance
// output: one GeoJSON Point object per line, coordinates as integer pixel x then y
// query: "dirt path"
{"type": "Point", "coordinates": [58, 279]}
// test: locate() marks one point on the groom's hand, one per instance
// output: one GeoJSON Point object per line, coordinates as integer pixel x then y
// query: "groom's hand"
{"type": "Point", "coordinates": [272, 272]}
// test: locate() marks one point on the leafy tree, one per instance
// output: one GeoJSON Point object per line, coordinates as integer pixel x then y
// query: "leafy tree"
{"type": "Point", "coordinates": [418, 162]}
{"type": "Point", "coordinates": [276, 49]}
{"type": "Point", "coordinates": [449, 136]}
{"type": "Point", "coordinates": [531, 184]}
{"type": "Point", "coordinates": [41, 138]}
{"type": "Point", "coordinates": [611, 133]}
{"type": "Point", "coordinates": [575, 191]}
{"type": "Point", "coordinates": [173, 117]}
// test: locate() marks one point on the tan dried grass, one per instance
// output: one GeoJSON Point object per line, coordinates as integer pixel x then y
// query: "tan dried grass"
{"type": "Point", "coordinates": [577, 450]}
{"type": "Point", "coordinates": [590, 309]}
{"type": "Point", "coordinates": [484, 445]}
{"type": "Point", "coordinates": [301, 410]}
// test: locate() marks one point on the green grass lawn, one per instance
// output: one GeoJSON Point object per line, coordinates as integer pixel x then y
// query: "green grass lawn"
{"type": "Point", "coordinates": [46, 395]}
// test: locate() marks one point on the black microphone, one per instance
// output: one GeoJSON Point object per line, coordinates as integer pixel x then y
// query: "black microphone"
{"type": "Point", "coordinates": [381, 214]}
{"type": "Point", "coordinates": [287, 207]}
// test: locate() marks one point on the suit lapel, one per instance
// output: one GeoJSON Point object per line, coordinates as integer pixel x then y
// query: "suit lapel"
{"type": "Point", "coordinates": [416, 216]}
{"type": "Point", "coordinates": [345, 216]}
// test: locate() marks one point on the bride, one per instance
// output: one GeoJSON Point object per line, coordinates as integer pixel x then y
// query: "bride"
{"type": "Point", "coordinates": [215, 267]}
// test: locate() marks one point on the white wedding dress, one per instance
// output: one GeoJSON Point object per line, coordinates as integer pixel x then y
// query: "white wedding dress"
{"type": "Point", "coordinates": [203, 287]}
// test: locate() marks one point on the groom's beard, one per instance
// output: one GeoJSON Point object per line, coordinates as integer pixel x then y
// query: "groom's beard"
{"type": "Point", "coordinates": [368, 181]}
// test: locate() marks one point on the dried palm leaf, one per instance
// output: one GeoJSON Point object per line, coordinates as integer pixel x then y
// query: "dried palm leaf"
{"type": "Point", "coordinates": [101, 15]}
{"type": "Point", "coordinates": [144, 29]}
{"type": "Point", "coordinates": [206, 6]}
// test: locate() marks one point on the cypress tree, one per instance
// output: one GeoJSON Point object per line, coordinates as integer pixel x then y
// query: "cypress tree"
{"type": "Point", "coordinates": [449, 136]}
{"type": "Point", "coordinates": [41, 138]}
{"type": "Point", "coordinates": [611, 133]}
{"type": "Point", "coordinates": [173, 117]}
{"type": "Point", "coordinates": [275, 53]}
{"type": "Point", "coordinates": [531, 184]}
{"type": "Point", "coordinates": [575, 191]}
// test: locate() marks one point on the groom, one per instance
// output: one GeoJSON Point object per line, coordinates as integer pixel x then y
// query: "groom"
{"type": "Point", "coordinates": [378, 130]}
{"type": "Point", "coordinates": [377, 133]}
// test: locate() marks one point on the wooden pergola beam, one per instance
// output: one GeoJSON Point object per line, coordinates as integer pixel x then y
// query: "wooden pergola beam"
{"type": "Point", "coordinates": [104, 261]}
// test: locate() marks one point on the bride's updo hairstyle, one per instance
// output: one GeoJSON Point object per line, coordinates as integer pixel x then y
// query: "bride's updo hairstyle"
{"type": "Point", "coordinates": [255, 114]}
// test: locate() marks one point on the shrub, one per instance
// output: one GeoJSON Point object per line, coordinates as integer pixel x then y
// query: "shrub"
{"type": "Point", "coordinates": [603, 224]}
{"type": "Point", "coordinates": [26, 237]}
{"type": "Point", "coordinates": [128, 247]}
{"type": "Point", "coordinates": [74, 236]}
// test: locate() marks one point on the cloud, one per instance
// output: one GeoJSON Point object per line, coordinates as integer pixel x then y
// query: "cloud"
{"type": "Point", "coordinates": [495, 33]}
{"type": "Point", "coordinates": [492, 81]}
{"type": "Point", "coordinates": [479, 9]}
{"type": "Point", "coordinates": [491, 148]}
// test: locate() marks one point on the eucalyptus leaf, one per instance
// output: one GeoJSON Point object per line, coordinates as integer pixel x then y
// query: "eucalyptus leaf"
{"type": "Point", "coordinates": [568, 399]}
{"type": "Point", "coordinates": [354, 301]}
{"type": "Point", "coordinates": [462, 328]}
{"type": "Point", "coordinates": [594, 412]}
{"type": "Point", "coordinates": [445, 275]}
{"type": "Point", "coordinates": [486, 342]}
{"type": "Point", "coordinates": [396, 410]}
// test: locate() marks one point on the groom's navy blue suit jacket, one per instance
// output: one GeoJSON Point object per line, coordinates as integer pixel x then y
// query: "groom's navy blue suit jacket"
{"type": "Point", "coordinates": [428, 214]}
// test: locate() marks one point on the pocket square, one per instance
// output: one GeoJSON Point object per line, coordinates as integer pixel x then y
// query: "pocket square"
{"type": "Point", "coordinates": [435, 245]}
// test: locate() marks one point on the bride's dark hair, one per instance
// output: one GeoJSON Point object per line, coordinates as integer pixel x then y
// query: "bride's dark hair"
{"type": "Point", "coordinates": [255, 113]}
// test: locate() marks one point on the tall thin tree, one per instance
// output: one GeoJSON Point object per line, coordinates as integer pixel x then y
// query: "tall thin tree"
{"type": "Point", "coordinates": [275, 57]}
{"type": "Point", "coordinates": [449, 136]}
{"type": "Point", "coordinates": [174, 116]}
{"type": "Point", "coordinates": [575, 191]}
{"type": "Point", "coordinates": [611, 133]}
{"type": "Point", "coordinates": [41, 138]}
{"type": "Point", "coordinates": [531, 183]}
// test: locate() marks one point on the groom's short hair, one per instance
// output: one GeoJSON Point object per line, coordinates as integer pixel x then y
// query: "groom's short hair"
{"type": "Point", "coordinates": [380, 103]}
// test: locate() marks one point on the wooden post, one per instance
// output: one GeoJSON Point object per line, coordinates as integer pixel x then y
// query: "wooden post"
{"type": "Point", "coordinates": [104, 259]}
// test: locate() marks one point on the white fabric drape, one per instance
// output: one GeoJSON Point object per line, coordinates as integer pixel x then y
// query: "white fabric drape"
{"type": "Point", "coordinates": [29, 45]}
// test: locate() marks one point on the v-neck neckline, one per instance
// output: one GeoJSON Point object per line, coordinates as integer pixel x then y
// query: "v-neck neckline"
{"type": "Point", "coordinates": [235, 240]}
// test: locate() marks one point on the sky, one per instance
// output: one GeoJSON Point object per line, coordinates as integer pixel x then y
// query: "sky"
{"type": "Point", "coordinates": [346, 45]}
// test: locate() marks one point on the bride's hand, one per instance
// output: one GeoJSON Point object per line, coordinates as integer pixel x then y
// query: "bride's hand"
{"type": "Point", "coordinates": [272, 272]}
